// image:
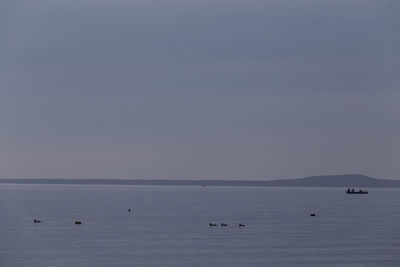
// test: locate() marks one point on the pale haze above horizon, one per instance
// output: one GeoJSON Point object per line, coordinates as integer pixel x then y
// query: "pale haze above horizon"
{"type": "Point", "coordinates": [223, 89]}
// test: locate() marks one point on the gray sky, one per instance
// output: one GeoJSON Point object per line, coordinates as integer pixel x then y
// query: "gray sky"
{"type": "Point", "coordinates": [238, 89]}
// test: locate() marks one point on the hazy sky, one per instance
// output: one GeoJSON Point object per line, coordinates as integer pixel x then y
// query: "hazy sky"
{"type": "Point", "coordinates": [240, 89]}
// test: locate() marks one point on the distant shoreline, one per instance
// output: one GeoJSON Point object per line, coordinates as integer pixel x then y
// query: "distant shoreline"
{"type": "Point", "coordinates": [348, 180]}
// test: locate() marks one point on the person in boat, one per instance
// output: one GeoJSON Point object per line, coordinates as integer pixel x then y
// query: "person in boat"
{"type": "Point", "coordinates": [348, 190]}
{"type": "Point", "coordinates": [352, 190]}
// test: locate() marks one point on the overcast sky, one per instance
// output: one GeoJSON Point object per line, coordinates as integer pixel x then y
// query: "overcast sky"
{"type": "Point", "coordinates": [229, 89]}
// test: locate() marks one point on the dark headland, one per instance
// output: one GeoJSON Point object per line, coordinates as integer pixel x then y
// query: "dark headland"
{"type": "Point", "coordinates": [346, 180]}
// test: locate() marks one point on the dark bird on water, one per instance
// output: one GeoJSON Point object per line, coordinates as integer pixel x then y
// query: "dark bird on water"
{"type": "Point", "coordinates": [36, 221]}
{"type": "Point", "coordinates": [213, 224]}
{"type": "Point", "coordinates": [78, 222]}
{"type": "Point", "coordinates": [241, 225]}
{"type": "Point", "coordinates": [129, 210]}
{"type": "Point", "coordinates": [312, 214]}
{"type": "Point", "coordinates": [224, 224]}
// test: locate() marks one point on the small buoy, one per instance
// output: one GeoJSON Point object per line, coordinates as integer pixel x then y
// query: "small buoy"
{"type": "Point", "coordinates": [241, 225]}
{"type": "Point", "coordinates": [77, 222]}
{"type": "Point", "coordinates": [224, 224]}
{"type": "Point", "coordinates": [129, 210]}
{"type": "Point", "coordinates": [312, 214]}
{"type": "Point", "coordinates": [36, 221]}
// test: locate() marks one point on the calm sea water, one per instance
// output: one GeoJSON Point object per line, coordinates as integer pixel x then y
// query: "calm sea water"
{"type": "Point", "coordinates": [168, 226]}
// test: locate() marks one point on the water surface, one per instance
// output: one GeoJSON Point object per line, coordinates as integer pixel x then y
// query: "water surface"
{"type": "Point", "coordinates": [168, 226]}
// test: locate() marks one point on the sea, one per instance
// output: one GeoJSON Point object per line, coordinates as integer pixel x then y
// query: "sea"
{"type": "Point", "coordinates": [169, 226]}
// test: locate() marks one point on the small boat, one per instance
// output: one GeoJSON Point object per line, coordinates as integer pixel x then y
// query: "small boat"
{"type": "Point", "coordinates": [348, 191]}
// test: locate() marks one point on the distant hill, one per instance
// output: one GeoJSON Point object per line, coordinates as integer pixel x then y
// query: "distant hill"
{"type": "Point", "coordinates": [347, 180]}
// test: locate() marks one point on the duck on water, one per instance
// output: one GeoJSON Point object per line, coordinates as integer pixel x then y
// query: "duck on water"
{"type": "Point", "coordinates": [348, 191]}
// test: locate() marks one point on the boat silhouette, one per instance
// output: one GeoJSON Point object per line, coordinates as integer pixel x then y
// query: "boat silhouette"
{"type": "Point", "coordinates": [348, 191]}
